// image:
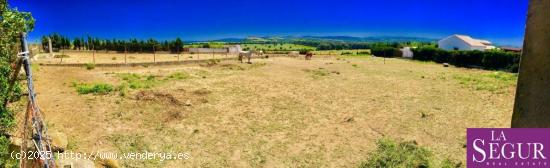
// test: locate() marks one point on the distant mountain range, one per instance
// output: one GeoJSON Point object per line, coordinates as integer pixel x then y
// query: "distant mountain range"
{"type": "Point", "coordinates": [325, 38]}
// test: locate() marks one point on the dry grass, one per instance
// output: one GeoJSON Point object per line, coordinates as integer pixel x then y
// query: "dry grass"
{"type": "Point", "coordinates": [277, 112]}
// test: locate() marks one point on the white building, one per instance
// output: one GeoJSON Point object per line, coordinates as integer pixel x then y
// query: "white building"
{"type": "Point", "coordinates": [407, 53]}
{"type": "Point", "coordinates": [234, 49]}
{"type": "Point", "coordinates": [463, 42]}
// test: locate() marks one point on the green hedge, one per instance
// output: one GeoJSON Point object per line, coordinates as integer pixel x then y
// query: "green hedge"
{"type": "Point", "coordinates": [386, 52]}
{"type": "Point", "coordinates": [492, 59]}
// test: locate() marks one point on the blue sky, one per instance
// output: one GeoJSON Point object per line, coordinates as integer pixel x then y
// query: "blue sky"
{"type": "Point", "coordinates": [501, 21]}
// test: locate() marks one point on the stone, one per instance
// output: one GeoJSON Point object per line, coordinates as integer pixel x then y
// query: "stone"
{"type": "Point", "coordinates": [445, 64]}
{"type": "Point", "coordinates": [59, 141]}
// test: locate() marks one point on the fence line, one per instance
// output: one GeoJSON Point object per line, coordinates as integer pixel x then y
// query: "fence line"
{"type": "Point", "coordinates": [135, 64]}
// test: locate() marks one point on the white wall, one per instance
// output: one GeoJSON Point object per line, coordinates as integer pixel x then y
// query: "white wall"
{"type": "Point", "coordinates": [208, 50]}
{"type": "Point", "coordinates": [234, 49]}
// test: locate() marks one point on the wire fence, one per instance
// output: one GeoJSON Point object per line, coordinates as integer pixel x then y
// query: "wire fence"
{"type": "Point", "coordinates": [111, 57]}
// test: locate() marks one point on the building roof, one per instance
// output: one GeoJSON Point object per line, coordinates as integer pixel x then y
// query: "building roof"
{"type": "Point", "coordinates": [471, 41]}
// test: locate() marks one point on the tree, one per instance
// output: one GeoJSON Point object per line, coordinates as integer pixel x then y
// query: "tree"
{"type": "Point", "coordinates": [152, 45]}
{"type": "Point", "coordinates": [177, 45]}
{"type": "Point", "coordinates": [12, 23]}
{"type": "Point", "coordinates": [77, 44]}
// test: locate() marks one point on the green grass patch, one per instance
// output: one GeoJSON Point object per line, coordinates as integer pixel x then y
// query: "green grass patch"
{"type": "Point", "coordinates": [122, 89]}
{"type": "Point", "coordinates": [129, 81]}
{"type": "Point", "coordinates": [96, 89]}
{"type": "Point", "coordinates": [137, 81]}
{"type": "Point", "coordinates": [496, 82]}
{"type": "Point", "coordinates": [403, 155]}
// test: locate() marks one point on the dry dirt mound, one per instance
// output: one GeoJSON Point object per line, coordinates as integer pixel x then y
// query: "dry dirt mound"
{"type": "Point", "coordinates": [202, 92]}
{"type": "Point", "coordinates": [157, 97]}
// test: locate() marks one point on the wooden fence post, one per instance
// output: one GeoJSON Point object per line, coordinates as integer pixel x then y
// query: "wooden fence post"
{"type": "Point", "coordinates": [125, 55]}
{"type": "Point", "coordinates": [93, 55]}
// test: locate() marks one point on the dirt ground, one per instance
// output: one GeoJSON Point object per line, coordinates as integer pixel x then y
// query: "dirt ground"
{"type": "Point", "coordinates": [276, 112]}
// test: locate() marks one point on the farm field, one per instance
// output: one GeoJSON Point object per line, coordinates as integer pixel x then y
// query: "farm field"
{"type": "Point", "coordinates": [276, 112]}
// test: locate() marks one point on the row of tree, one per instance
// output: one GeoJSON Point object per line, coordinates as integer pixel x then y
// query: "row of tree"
{"type": "Point", "coordinates": [341, 45]}
{"type": "Point", "coordinates": [93, 43]}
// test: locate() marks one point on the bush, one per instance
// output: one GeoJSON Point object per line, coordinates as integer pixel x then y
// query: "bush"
{"type": "Point", "coordinates": [12, 23]}
{"type": "Point", "coordinates": [386, 51]}
{"type": "Point", "coordinates": [492, 59]}
{"type": "Point", "coordinates": [100, 88]}
{"type": "Point", "coordinates": [90, 66]}
{"type": "Point", "coordinates": [304, 51]}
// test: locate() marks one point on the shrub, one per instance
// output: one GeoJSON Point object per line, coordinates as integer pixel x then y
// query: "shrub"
{"type": "Point", "coordinates": [100, 88]}
{"type": "Point", "coordinates": [12, 23]}
{"type": "Point", "coordinates": [492, 59]}
{"type": "Point", "coordinates": [386, 51]}
{"type": "Point", "coordinates": [304, 51]}
{"type": "Point", "coordinates": [90, 66]}
{"type": "Point", "coordinates": [392, 154]}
